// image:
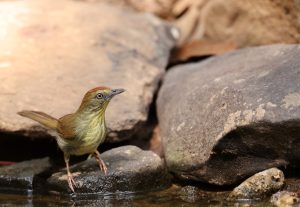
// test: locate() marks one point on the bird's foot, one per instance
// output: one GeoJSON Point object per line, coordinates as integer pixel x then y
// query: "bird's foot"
{"type": "Point", "coordinates": [71, 182]}
{"type": "Point", "coordinates": [100, 162]}
{"type": "Point", "coordinates": [102, 166]}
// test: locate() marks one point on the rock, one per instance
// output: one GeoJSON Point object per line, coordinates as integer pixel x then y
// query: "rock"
{"type": "Point", "coordinates": [285, 199]}
{"type": "Point", "coordinates": [231, 116]}
{"type": "Point", "coordinates": [190, 194]}
{"type": "Point", "coordinates": [52, 53]}
{"type": "Point", "coordinates": [24, 175]}
{"type": "Point", "coordinates": [259, 185]}
{"type": "Point", "coordinates": [129, 169]}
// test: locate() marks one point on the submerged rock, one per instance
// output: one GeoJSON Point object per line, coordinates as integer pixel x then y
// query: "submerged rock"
{"type": "Point", "coordinates": [53, 52]}
{"type": "Point", "coordinates": [129, 169]}
{"type": "Point", "coordinates": [231, 116]}
{"type": "Point", "coordinates": [285, 199]}
{"type": "Point", "coordinates": [190, 194]}
{"type": "Point", "coordinates": [24, 175]}
{"type": "Point", "coordinates": [259, 185]}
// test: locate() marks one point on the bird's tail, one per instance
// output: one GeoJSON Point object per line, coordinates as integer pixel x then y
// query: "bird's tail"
{"type": "Point", "coordinates": [40, 117]}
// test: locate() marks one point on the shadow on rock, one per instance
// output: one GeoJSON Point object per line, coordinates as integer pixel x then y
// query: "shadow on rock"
{"type": "Point", "coordinates": [250, 149]}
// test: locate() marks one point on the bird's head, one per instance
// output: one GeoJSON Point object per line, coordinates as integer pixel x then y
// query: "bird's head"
{"type": "Point", "coordinates": [98, 98]}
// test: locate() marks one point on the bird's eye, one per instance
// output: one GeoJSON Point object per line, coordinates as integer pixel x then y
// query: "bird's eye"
{"type": "Point", "coordinates": [99, 96]}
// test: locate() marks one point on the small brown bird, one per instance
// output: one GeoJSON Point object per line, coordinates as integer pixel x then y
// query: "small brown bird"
{"type": "Point", "coordinates": [83, 131]}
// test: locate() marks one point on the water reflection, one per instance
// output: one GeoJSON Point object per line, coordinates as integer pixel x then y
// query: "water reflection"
{"type": "Point", "coordinates": [173, 196]}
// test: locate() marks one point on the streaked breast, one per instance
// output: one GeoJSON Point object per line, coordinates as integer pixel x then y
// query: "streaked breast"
{"type": "Point", "coordinates": [90, 134]}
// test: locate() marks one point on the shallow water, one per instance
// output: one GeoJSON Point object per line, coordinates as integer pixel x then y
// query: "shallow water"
{"type": "Point", "coordinates": [170, 197]}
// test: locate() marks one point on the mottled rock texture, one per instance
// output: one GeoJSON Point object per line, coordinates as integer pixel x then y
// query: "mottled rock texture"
{"type": "Point", "coordinates": [259, 185]}
{"type": "Point", "coordinates": [130, 169]}
{"type": "Point", "coordinates": [231, 116]}
{"type": "Point", "coordinates": [53, 52]}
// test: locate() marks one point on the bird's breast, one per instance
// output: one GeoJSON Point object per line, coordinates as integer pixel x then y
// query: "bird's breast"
{"type": "Point", "coordinates": [89, 136]}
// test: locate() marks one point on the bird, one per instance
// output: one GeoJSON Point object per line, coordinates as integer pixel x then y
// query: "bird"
{"type": "Point", "coordinates": [83, 131]}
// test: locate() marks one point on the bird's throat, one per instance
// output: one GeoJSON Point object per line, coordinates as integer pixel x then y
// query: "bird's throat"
{"type": "Point", "coordinates": [87, 121]}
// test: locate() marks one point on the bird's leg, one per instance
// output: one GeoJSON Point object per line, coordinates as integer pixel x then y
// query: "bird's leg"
{"type": "Point", "coordinates": [71, 181]}
{"type": "Point", "coordinates": [100, 162]}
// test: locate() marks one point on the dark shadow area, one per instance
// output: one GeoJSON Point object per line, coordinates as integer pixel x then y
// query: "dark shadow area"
{"type": "Point", "coordinates": [251, 149]}
{"type": "Point", "coordinates": [202, 185]}
{"type": "Point", "coordinates": [16, 148]}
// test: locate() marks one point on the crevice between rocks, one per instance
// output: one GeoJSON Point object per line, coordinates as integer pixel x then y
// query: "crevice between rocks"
{"type": "Point", "coordinates": [143, 136]}
{"type": "Point", "coordinates": [193, 59]}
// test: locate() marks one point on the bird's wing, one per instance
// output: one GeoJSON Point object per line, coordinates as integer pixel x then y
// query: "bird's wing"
{"type": "Point", "coordinates": [66, 126]}
{"type": "Point", "coordinates": [40, 117]}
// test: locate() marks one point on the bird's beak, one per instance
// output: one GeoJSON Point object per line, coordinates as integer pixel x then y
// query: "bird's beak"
{"type": "Point", "coordinates": [114, 92]}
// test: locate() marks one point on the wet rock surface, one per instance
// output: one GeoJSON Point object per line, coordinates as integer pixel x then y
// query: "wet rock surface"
{"type": "Point", "coordinates": [285, 199]}
{"type": "Point", "coordinates": [130, 169]}
{"type": "Point", "coordinates": [24, 175]}
{"type": "Point", "coordinates": [228, 117]}
{"type": "Point", "coordinates": [259, 185]}
{"type": "Point", "coordinates": [52, 53]}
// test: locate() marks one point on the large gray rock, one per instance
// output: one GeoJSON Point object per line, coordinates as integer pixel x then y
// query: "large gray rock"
{"type": "Point", "coordinates": [24, 175]}
{"type": "Point", "coordinates": [130, 169]}
{"type": "Point", "coordinates": [53, 52]}
{"type": "Point", "coordinates": [226, 118]}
